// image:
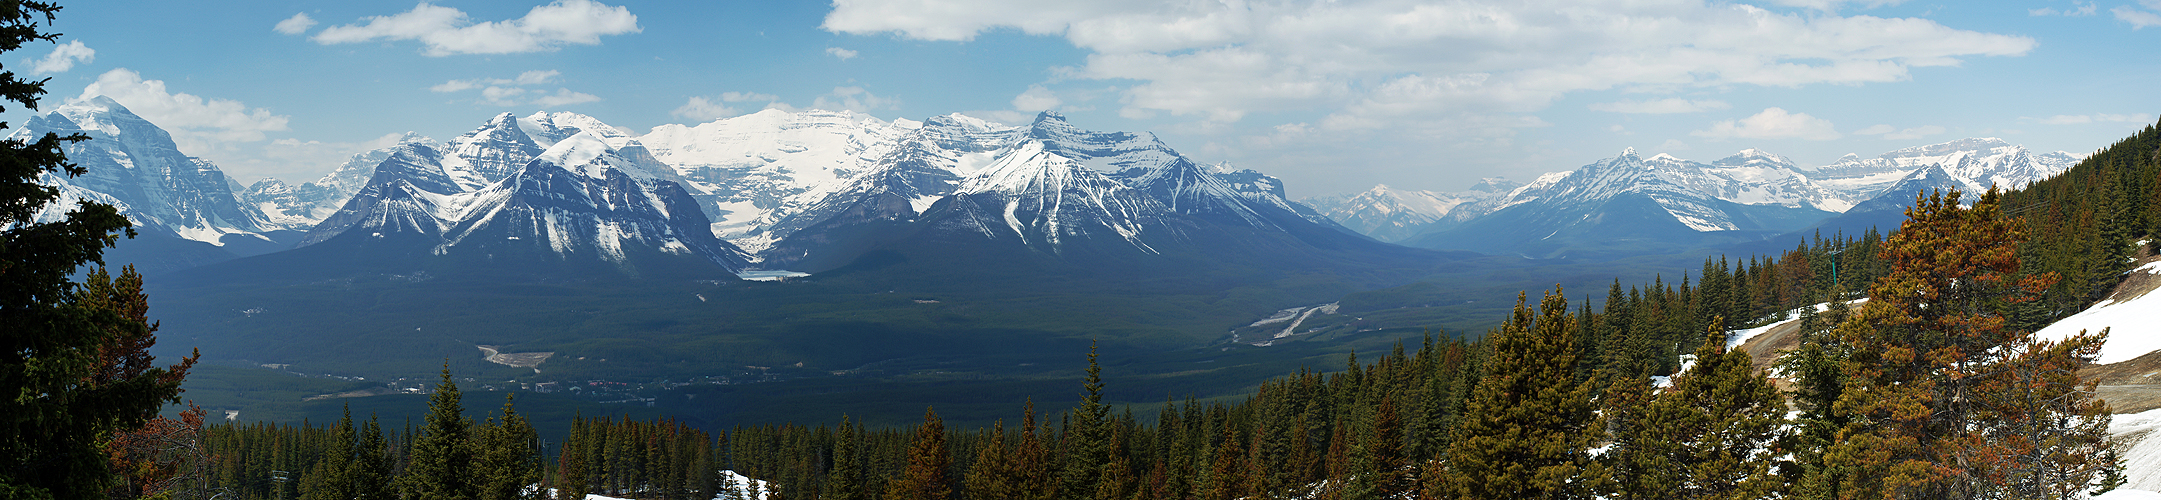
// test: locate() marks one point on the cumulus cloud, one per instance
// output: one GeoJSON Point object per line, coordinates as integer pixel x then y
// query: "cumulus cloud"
{"type": "Point", "coordinates": [2095, 118]}
{"type": "Point", "coordinates": [2138, 18]}
{"type": "Point", "coordinates": [295, 25]}
{"type": "Point", "coordinates": [1035, 99]}
{"type": "Point", "coordinates": [510, 92]}
{"type": "Point", "coordinates": [843, 54]}
{"type": "Point", "coordinates": [2086, 9]}
{"type": "Point", "coordinates": [701, 108]}
{"type": "Point", "coordinates": [1660, 106]}
{"type": "Point", "coordinates": [853, 99]}
{"type": "Point", "coordinates": [535, 77]}
{"type": "Point", "coordinates": [1369, 63]}
{"type": "Point", "coordinates": [193, 121]}
{"type": "Point", "coordinates": [1772, 123]}
{"type": "Point", "coordinates": [62, 58]}
{"type": "Point", "coordinates": [447, 31]}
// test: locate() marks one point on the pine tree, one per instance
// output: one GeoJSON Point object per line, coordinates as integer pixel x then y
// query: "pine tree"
{"type": "Point", "coordinates": [442, 456]}
{"type": "Point", "coordinates": [1529, 425]}
{"type": "Point", "coordinates": [1938, 386]}
{"type": "Point", "coordinates": [928, 460]}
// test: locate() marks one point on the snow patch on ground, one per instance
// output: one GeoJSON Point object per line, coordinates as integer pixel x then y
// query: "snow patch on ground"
{"type": "Point", "coordinates": [2134, 324]}
{"type": "Point", "coordinates": [2141, 448]}
{"type": "Point", "coordinates": [1742, 337]}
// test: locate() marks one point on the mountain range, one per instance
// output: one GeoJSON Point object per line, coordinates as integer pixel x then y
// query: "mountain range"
{"type": "Point", "coordinates": [1631, 205]}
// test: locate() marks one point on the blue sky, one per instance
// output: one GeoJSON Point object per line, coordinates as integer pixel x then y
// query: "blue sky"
{"type": "Point", "coordinates": [1332, 96]}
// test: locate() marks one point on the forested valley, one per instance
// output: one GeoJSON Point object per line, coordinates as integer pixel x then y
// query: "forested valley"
{"type": "Point", "coordinates": [1931, 387]}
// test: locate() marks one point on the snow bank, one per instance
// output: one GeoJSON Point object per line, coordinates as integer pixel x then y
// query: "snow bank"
{"type": "Point", "coordinates": [745, 489]}
{"type": "Point", "coordinates": [2128, 494]}
{"type": "Point", "coordinates": [1742, 337]}
{"type": "Point", "coordinates": [2134, 325]}
{"type": "Point", "coordinates": [2141, 448]}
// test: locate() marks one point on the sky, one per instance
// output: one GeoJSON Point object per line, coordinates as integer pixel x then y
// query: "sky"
{"type": "Point", "coordinates": [1332, 95]}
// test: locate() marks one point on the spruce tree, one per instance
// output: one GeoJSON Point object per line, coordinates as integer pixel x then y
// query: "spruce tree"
{"type": "Point", "coordinates": [928, 461]}
{"type": "Point", "coordinates": [508, 459]}
{"type": "Point", "coordinates": [1718, 421]}
{"type": "Point", "coordinates": [442, 456]}
{"type": "Point", "coordinates": [372, 464]}
{"type": "Point", "coordinates": [336, 472]}
{"type": "Point", "coordinates": [1088, 445]}
{"type": "Point", "coordinates": [1529, 425]}
{"type": "Point", "coordinates": [845, 481]}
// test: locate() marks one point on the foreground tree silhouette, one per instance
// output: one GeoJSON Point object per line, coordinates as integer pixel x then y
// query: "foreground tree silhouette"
{"type": "Point", "coordinates": [73, 371]}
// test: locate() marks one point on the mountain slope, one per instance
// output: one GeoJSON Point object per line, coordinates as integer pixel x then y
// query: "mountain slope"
{"type": "Point", "coordinates": [184, 208]}
{"type": "Point", "coordinates": [592, 202]}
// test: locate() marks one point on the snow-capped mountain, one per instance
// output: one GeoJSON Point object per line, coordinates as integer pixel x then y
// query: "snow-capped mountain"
{"type": "Point", "coordinates": [1975, 164]}
{"type": "Point", "coordinates": [591, 196]}
{"type": "Point", "coordinates": [135, 166]}
{"type": "Point", "coordinates": [1752, 192]}
{"type": "Point", "coordinates": [753, 171]}
{"type": "Point", "coordinates": [1054, 191]}
{"type": "Point", "coordinates": [309, 203]}
{"type": "Point", "coordinates": [1630, 204]}
{"type": "Point", "coordinates": [1390, 214]}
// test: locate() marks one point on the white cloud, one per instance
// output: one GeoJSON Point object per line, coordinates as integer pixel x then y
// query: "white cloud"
{"type": "Point", "coordinates": [295, 25]}
{"type": "Point", "coordinates": [2086, 9]}
{"type": "Point", "coordinates": [1660, 106]}
{"type": "Point", "coordinates": [1372, 63]}
{"type": "Point", "coordinates": [193, 121]}
{"type": "Point", "coordinates": [447, 31]}
{"type": "Point", "coordinates": [700, 108]}
{"type": "Point", "coordinates": [1897, 134]}
{"type": "Point", "coordinates": [564, 97]}
{"type": "Point", "coordinates": [535, 77]}
{"type": "Point", "coordinates": [510, 92]}
{"type": "Point", "coordinates": [1772, 123]}
{"type": "Point", "coordinates": [2095, 118]}
{"type": "Point", "coordinates": [1672, 145]}
{"type": "Point", "coordinates": [62, 58]}
{"type": "Point", "coordinates": [1833, 5]}
{"type": "Point", "coordinates": [1914, 133]}
{"type": "Point", "coordinates": [843, 54]}
{"type": "Point", "coordinates": [1035, 99]}
{"type": "Point", "coordinates": [2138, 18]}
{"type": "Point", "coordinates": [853, 99]}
